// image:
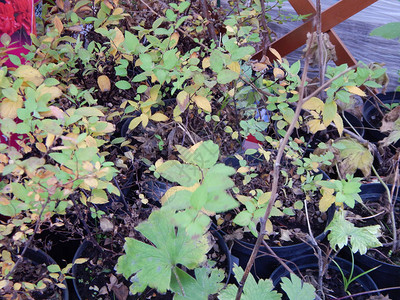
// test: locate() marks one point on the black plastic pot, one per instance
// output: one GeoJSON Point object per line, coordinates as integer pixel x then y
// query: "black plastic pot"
{"type": "Point", "coordinates": [303, 263]}
{"type": "Point", "coordinates": [372, 119]}
{"type": "Point", "coordinates": [38, 257]}
{"type": "Point", "coordinates": [265, 263]}
{"type": "Point", "coordinates": [349, 122]}
{"type": "Point", "coordinates": [386, 275]}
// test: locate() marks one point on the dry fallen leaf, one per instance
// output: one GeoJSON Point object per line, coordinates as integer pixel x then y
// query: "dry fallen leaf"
{"type": "Point", "coordinates": [104, 83]}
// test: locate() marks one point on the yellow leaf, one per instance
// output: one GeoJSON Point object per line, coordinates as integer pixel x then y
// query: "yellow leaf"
{"type": "Point", "coordinates": [183, 100]}
{"type": "Point", "coordinates": [104, 83]}
{"type": "Point", "coordinates": [234, 66]}
{"type": "Point", "coordinates": [8, 108]}
{"type": "Point", "coordinates": [264, 198]}
{"type": "Point", "coordinates": [54, 91]}
{"type": "Point", "coordinates": [327, 199]}
{"type": "Point", "coordinates": [314, 103]}
{"type": "Point", "coordinates": [159, 117]}
{"type": "Point", "coordinates": [41, 147]}
{"type": "Point", "coordinates": [154, 92]}
{"type": "Point", "coordinates": [170, 192]}
{"type": "Point", "coordinates": [276, 53]}
{"type": "Point", "coordinates": [61, 285]}
{"type": "Point", "coordinates": [145, 120]}
{"type": "Point", "coordinates": [58, 24]}
{"type": "Point", "coordinates": [98, 200]}
{"type": "Point", "coordinates": [17, 286]}
{"type": "Point", "coordinates": [203, 103]}
{"type": "Point", "coordinates": [28, 73]}
{"type": "Point", "coordinates": [339, 123]}
{"type": "Point", "coordinates": [315, 125]}
{"type": "Point", "coordinates": [356, 90]}
{"type": "Point", "coordinates": [91, 182]}
{"type": "Point", "coordinates": [268, 227]}
{"type": "Point", "coordinates": [278, 73]}
{"type": "Point", "coordinates": [243, 199]}
{"type": "Point", "coordinates": [116, 41]}
{"type": "Point", "coordinates": [134, 123]}
{"type": "Point", "coordinates": [206, 62]}
{"type": "Point", "coordinates": [259, 67]}
{"type": "Point", "coordinates": [243, 169]}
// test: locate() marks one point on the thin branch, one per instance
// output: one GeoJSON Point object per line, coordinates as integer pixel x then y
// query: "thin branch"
{"type": "Point", "coordinates": [20, 258]}
{"type": "Point", "coordinates": [277, 257]}
{"type": "Point", "coordinates": [210, 25]}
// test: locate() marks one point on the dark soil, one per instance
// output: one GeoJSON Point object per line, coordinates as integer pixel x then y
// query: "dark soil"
{"type": "Point", "coordinates": [295, 226]}
{"type": "Point", "coordinates": [33, 273]}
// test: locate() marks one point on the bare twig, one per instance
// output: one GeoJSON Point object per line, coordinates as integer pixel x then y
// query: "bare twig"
{"type": "Point", "coordinates": [275, 173]}
{"type": "Point", "coordinates": [210, 25]}
{"type": "Point", "coordinates": [277, 257]}
{"type": "Point", "coordinates": [27, 245]}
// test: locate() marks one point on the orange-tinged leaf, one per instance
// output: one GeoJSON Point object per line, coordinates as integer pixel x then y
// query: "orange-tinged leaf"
{"type": "Point", "coordinates": [174, 39]}
{"type": "Point", "coordinates": [104, 83]}
{"type": "Point", "coordinates": [203, 103]}
{"type": "Point", "coordinates": [58, 24]}
{"type": "Point", "coordinates": [159, 117]}
{"type": "Point", "coordinates": [60, 4]}
{"type": "Point", "coordinates": [356, 90]}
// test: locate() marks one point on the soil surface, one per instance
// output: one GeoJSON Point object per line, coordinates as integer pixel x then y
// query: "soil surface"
{"type": "Point", "coordinates": [287, 229]}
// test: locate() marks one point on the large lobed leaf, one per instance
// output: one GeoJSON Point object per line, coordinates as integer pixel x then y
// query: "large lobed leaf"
{"type": "Point", "coordinates": [263, 290]}
{"type": "Point", "coordinates": [152, 265]}
{"type": "Point", "coordinates": [344, 232]}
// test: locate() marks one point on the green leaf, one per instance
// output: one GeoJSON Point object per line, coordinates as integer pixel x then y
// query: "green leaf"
{"type": "Point", "coordinates": [153, 265]}
{"type": "Point", "coordinates": [123, 85]}
{"type": "Point", "coordinates": [296, 289]}
{"type": "Point", "coordinates": [243, 218]}
{"type": "Point", "coordinates": [54, 268]}
{"type": "Point", "coordinates": [388, 31]}
{"type": "Point", "coordinates": [203, 154]}
{"type": "Point", "coordinates": [207, 282]}
{"type": "Point", "coordinates": [170, 59]}
{"type": "Point", "coordinates": [344, 232]}
{"type": "Point", "coordinates": [174, 171]}
{"type": "Point", "coordinates": [147, 62]}
{"type": "Point", "coordinates": [263, 290]}
{"type": "Point", "coordinates": [131, 42]}
{"type": "Point", "coordinates": [216, 61]}
{"type": "Point", "coordinates": [241, 52]}
{"type": "Point", "coordinates": [226, 76]}
{"type": "Point", "coordinates": [10, 93]}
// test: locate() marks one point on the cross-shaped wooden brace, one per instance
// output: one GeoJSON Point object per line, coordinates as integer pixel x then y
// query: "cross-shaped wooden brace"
{"type": "Point", "coordinates": [331, 17]}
